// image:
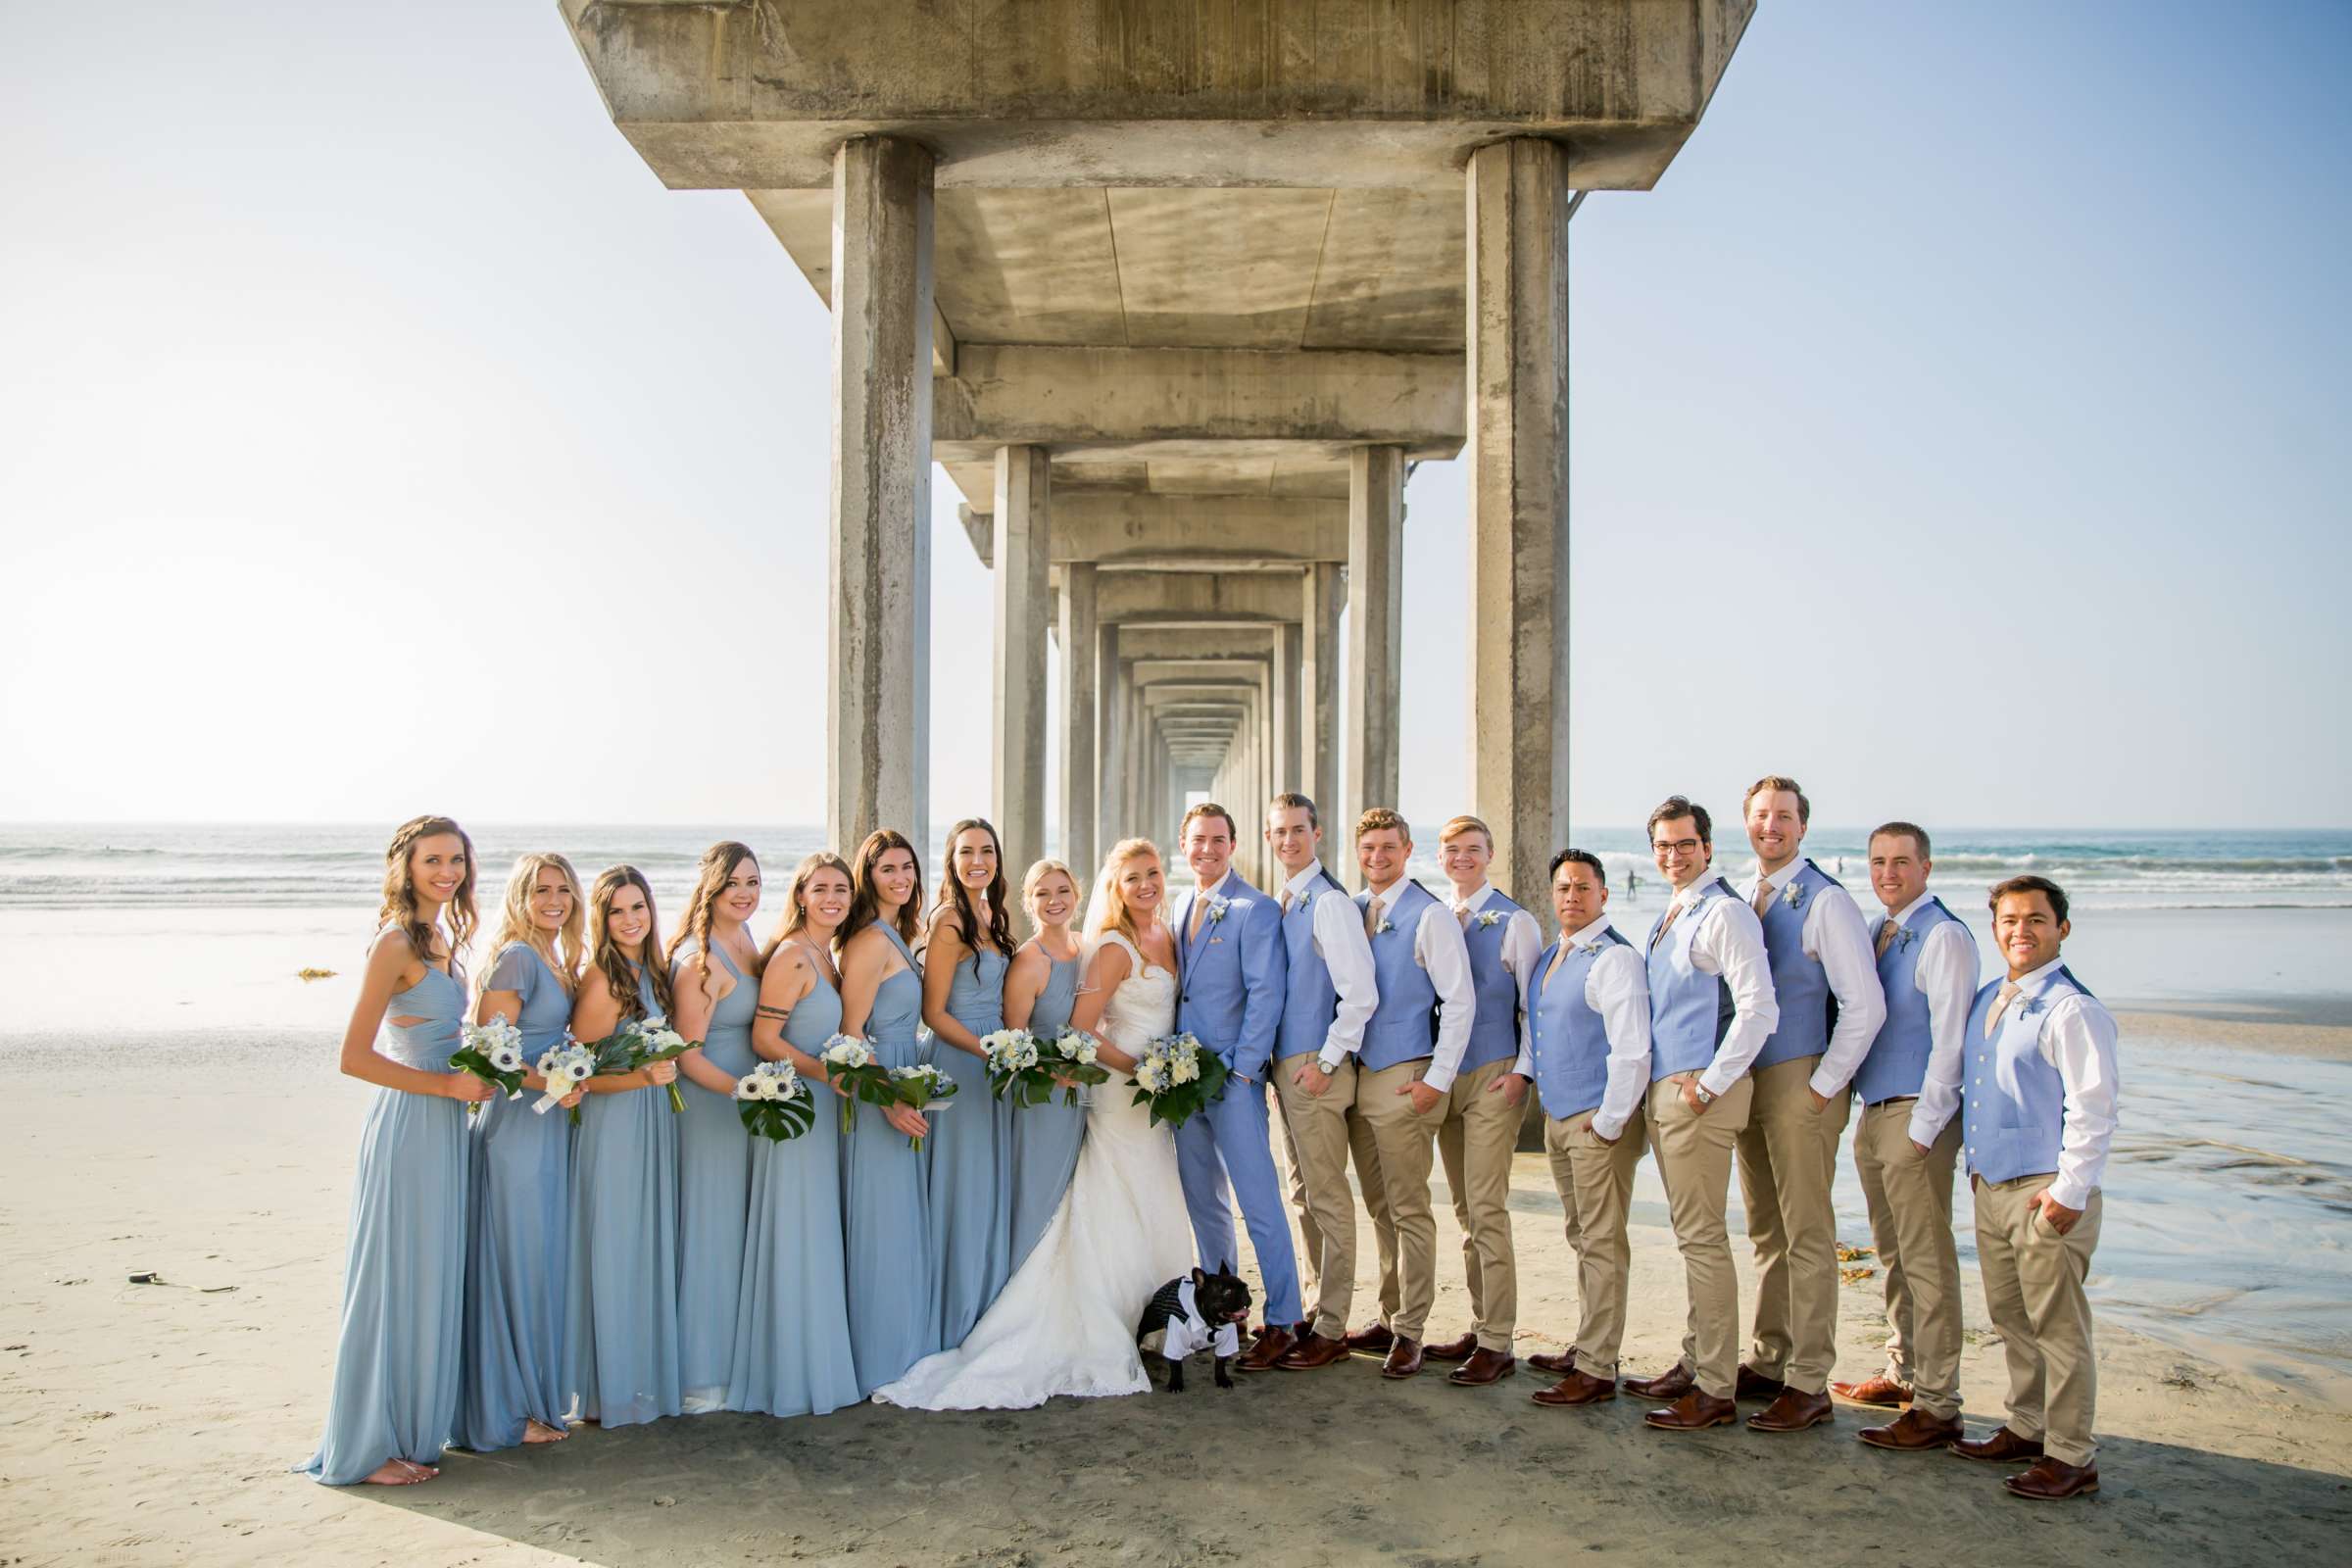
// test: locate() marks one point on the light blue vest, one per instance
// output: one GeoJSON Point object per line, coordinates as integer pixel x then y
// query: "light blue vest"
{"type": "Point", "coordinates": [1312, 1001]}
{"type": "Point", "coordinates": [1690, 1009]}
{"type": "Point", "coordinates": [1808, 1007]}
{"type": "Point", "coordinates": [1404, 1026]}
{"type": "Point", "coordinates": [1495, 1026]}
{"type": "Point", "coordinates": [2012, 1102]}
{"type": "Point", "coordinates": [1896, 1064]}
{"type": "Point", "coordinates": [1570, 1041]}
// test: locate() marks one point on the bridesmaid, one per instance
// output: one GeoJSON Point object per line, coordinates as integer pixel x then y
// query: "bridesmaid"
{"type": "Point", "coordinates": [971, 1156]}
{"type": "Point", "coordinates": [512, 1389]}
{"type": "Point", "coordinates": [792, 1325]}
{"type": "Point", "coordinates": [715, 973]}
{"type": "Point", "coordinates": [1041, 989]}
{"type": "Point", "coordinates": [395, 1393]}
{"type": "Point", "coordinates": [620, 1318]}
{"type": "Point", "coordinates": [894, 1314]}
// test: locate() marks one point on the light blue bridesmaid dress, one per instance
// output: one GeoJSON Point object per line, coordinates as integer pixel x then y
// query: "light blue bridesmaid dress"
{"type": "Point", "coordinates": [714, 1191]}
{"type": "Point", "coordinates": [971, 1161]}
{"type": "Point", "coordinates": [886, 1212]}
{"type": "Point", "coordinates": [792, 1326]}
{"type": "Point", "coordinates": [1045, 1138]}
{"type": "Point", "coordinates": [521, 1232]}
{"type": "Point", "coordinates": [404, 1274]}
{"type": "Point", "coordinates": [620, 1319]}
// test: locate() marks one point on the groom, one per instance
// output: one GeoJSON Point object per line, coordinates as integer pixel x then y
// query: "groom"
{"type": "Point", "coordinates": [1232, 977]}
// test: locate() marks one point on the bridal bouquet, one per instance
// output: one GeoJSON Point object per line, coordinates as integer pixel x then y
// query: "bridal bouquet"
{"type": "Point", "coordinates": [1178, 1078]}
{"type": "Point", "coordinates": [1016, 1067]}
{"type": "Point", "coordinates": [1070, 1057]}
{"type": "Point", "coordinates": [492, 1053]}
{"type": "Point", "coordinates": [925, 1087]}
{"type": "Point", "coordinates": [638, 1044]}
{"type": "Point", "coordinates": [773, 1102]}
{"type": "Point", "coordinates": [564, 1069]}
{"type": "Point", "coordinates": [851, 1065]}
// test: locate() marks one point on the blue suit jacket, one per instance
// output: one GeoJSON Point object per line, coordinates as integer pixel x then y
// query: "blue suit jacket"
{"type": "Point", "coordinates": [1234, 977]}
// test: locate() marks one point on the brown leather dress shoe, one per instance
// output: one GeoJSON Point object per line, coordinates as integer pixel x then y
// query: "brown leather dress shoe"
{"type": "Point", "coordinates": [1912, 1432]}
{"type": "Point", "coordinates": [1879, 1391]}
{"type": "Point", "coordinates": [1460, 1349]}
{"type": "Point", "coordinates": [1553, 1363]}
{"type": "Point", "coordinates": [1668, 1386]}
{"type": "Point", "coordinates": [1313, 1352]}
{"type": "Point", "coordinates": [2003, 1446]}
{"type": "Point", "coordinates": [1483, 1367]}
{"type": "Point", "coordinates": [1694, 1411]}
{"type": "Point", "coordinates": [1271, 1347]}
{"type": "Point", "coordinates": [1793, 1411]}
{"type": "Point", "coordinates": [1755, 1384]}
{"type": "Point", "coordinates": [1577, 1388]}
{"type": "Point", "coordinates": [2051, 1479]}
{"type": "Point", "coordinates": [1405, 1359]}
{"type": "Point", "coordinates": [1372, 1337]}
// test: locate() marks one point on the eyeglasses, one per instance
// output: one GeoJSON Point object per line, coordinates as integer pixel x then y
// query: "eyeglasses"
{"type": "Point", "coordinates": [1677, 847]}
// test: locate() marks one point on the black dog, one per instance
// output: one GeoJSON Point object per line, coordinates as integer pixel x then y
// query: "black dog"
{"type": "Point", "coordinates": [1219, 1306]}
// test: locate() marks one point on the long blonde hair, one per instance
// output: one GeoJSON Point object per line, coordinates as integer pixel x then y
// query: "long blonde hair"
{"type": "Point", "coordinates": [1107, 910]}
{"type": "Point", "coordinates": [515, 922]}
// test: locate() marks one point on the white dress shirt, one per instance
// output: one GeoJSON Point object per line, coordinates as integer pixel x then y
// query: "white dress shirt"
{"type": "Point", "coordinates": [1834, 938]}
{"type": "Point", "coordinates": [1947, 975]}
{"type": "Point", "coordinates": [1617, 987]}
{"type": "Point", "coordinates": [1522, 945]}
{"type": "Point", "coordinates": [2079, 1040]}
{"type": "Point", "coordinates": [1438, 949]}
{"type": "Point", "coordinates": [1340, 941]}
{"type": "Point", "coordinates": [1729, 944]}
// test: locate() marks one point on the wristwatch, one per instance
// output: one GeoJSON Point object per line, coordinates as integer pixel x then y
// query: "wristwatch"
{"type": "Point", "coordinates": [1706, 1095]}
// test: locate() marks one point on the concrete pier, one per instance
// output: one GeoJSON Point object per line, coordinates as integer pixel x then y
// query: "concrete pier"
{"type": "Point", "coordinates": [1176, 291]}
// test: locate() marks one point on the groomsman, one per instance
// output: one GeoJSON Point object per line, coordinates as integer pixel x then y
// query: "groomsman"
{"type": "Point", "coordinates": [1413, 1047]}
{"type": "Point", "coordinates": [1479, 1130]}
{"type": "Point", "coordinates": [1928, 969]}
{"type": "Point", "coordinates": [1587, 1046]}
{"type": "Point", "coordinates": [1827, 986]}
{"type": "Point", "coordinates": [1229, 941]}
{"type": "Point", "coordinates": [1331, 997]}
{"type": "Point", "coordinates": [2037, 1087]}
{"type": "Point", "coordinates": [1710, 1010]}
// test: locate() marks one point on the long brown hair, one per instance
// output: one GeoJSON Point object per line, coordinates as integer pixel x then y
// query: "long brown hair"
{"type": "Point", "coordinates": [606, 953]}
{"type": "Point", "coordinates": [568, 952]}
{"type": "Point", "coordinates": [796, 899]}
{"type": "Point", "coordinates": [399, 907]}
{"type": "Point", "coordinates": [956, 900]}
{"type": "Point", "coordinates": [718, 864]}
{"type": "Point", "coordinates": [865, 904]}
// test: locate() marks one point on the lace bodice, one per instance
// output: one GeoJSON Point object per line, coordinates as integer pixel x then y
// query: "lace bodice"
{"type": "Point", "coordinates": [1145, 1005]}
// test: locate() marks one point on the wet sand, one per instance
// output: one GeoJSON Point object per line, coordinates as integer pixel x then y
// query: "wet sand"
{"type": "Point", "coordinates": [154, 1423]}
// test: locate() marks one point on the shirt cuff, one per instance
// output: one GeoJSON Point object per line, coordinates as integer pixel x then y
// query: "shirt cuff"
{"type": "Point", "coordinates": [1715, 1081]}
{"type": "Point", "coordinates": [1608, 1126]}
{"type": "Point", "coordinates": [1923, 1130]}
{"type": "Point", "coordinates": [1330, 1061]}
{"type": "Point", "coordinates": [1439, 1078]}
{"type": "Point", "coordinates": [2069, 1193]}
{"type": "Point", "coordinates": [1823, 1085]}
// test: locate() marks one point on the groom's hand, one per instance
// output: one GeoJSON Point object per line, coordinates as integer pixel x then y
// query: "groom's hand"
{"type": "Point", "coordinates": [1312, 1078]}
{"type": "Point", "coordinates": [1424, 1099]}
{"type": "Point", "coordinates": [1512, 1087]}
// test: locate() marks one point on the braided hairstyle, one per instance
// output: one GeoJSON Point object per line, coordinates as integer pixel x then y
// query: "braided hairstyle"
{"type": "Point", "coordinates": [400, 906]}
{"type": "Point", "coordinates": [717, 866]}
{"type": "Point", "coordinates": [956, 900]}
{"type": "Point", "coordinates": [604, 951]}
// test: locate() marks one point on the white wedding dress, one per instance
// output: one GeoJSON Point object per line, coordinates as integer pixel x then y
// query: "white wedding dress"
{"type": "Point", "coordinates": [1066, 1322]}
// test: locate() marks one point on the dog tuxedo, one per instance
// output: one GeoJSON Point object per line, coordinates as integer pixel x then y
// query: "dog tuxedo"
{"type": "Point", "coordinates": [1173, 1326]}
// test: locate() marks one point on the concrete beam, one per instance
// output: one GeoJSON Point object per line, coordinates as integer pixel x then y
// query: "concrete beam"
{"type": "Point", "coordinates": [1147, 530]}
{"type": "Point", "coordinates": [1182, 597]}
{"type": "Point", "coordinates": [1239, 639]}
{"type": "Point", "coordinates": [1018, 738]}
{"type": "Point", "coordinates": [878, 700]}
{"type": "Point", "coordinates": [748, 93]}
{"type": "Point", "coordinates": [1375, 627]}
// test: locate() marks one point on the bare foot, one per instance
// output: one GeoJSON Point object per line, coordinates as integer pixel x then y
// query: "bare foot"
{"type": "Point", "coordinates": [541, 1431]}
{"type": "Point", "coordinates": [395, 1473]}
{"type": "Point", "coordinates": [422, 1472]}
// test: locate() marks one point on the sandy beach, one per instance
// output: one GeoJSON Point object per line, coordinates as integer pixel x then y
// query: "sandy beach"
{"type": "Point", "coordinates": [154, 1423]}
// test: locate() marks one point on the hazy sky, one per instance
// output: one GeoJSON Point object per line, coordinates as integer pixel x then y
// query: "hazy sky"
{"type": "Point", "coordinates": [1960, 427]}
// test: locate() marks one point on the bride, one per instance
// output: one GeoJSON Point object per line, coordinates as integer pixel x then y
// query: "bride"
{"type": "Point", "coordinates": [1066, 1322]}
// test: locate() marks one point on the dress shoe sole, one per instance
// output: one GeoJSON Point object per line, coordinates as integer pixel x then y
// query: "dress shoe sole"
{"type": "Point", "coordinates": [1399, 1377]}
{"type": "Point", "coordinates": [1953, 1449]}
{"type": "Point", "coordinates": [2042, 1496]}
{"type": "Point", "coordinates": [1779, 1431]}
{"type": "Point", "coordinates": [1869, 1404]}
{"type": "Point", "coordinates": [1943, 1443]}
{"type": "Point", "coordinates": [1718, 1421]}
{"type": "Point", "coordinates": [1461, 1382]}
{"type": "Point", "coordinates": [1569, 1404]}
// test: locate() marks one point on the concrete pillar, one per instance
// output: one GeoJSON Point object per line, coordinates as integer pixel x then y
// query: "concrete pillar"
{"type": "Point", "coordinates": [1286, 774]}
{"type": "Point", "coordinates": [1023, 544]}
{"type": "Point", "coordinates": [1319, 689]}
{"type": "Point", "coordinates": [1080, 646]}
{"type": "Point", "coordinates": [1268, 732]}
{"type": "Point", "coordinates": [1107, 826]}
{"type": "Point", "coordinates": [1375, 614]}
{"type": "Point", "coordinates": [878, 625]}
{"type": "Point", "coordinates": [1519, 206]}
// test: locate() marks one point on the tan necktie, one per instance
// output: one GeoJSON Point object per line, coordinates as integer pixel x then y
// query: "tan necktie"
{"type": "Point", "coordinates": [1886, 930]}
{"type": "Point", "coordinates": [2000, 1005]}
{"type": "Point", "coordinates": [1763, 898]}
{"type": "Point", "coordinates": [1372, 917]}
{"type": "Point", "coordinates": [1192, 931]}
{"type": "Point", "coordinates": [1286, 901]}
{"type": "Point", "coordinates": [1461, 913]}
{"type": "Point", "coordinates": [1558, 955]}
{"type": "Point", "coordinates": [1674, 912]}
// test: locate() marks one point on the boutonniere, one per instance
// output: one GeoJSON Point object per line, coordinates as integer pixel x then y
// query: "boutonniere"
{"type": "Point", "coordinates": [1794, 897]}
{"type": "Point", "coordinates": [1217, 906]}
{"type": "Point", "coordinates": [1386, 926]}
{"type": "Point", "coordinates": [2029, 1008]}
{"type": "Point", "coordinates": [1489, 918]}
{"type": "Point", "coordinates": [1904, 936]}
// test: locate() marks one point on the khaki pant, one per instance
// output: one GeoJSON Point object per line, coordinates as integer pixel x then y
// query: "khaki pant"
{"type": "Point", "coordinates": [1314, 1134]}
{"type": "Point", "coordinates": [1391, 1147]}
{"type": "Point", "coordinates": [1596, 1182]}
{"type": "Point", "coordinates": [1910, 1199]}
{"type": "Point", "coordinates": [1695, 1161]}
{"type": "Point", "coordinates": [1475, 1139]}
{"type": "Point", "coordinates": [1788, 1160]}
{"type": "Point", "coordinates": [2033, 1290]}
